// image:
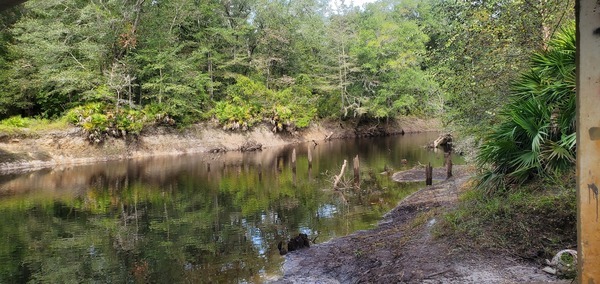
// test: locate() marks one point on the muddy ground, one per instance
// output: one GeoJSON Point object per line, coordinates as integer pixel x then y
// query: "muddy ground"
{"type": "Point", "coordinates": [404, 248]}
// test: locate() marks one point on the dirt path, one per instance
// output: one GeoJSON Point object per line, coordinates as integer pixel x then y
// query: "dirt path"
{"type": "Point", "coordinates": [404, 249]}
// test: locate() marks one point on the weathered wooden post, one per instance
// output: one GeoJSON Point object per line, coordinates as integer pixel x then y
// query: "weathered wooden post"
{"type": "Point", "coordinates": [294, 166]}
{"type": "Point", "coordinates": [294, 160]}
{"type": "Point", "coordinates": [449, 165]}
{"type": "Point", "coordinates": [428, 174]}
{"type": "Point", "coordinates": [279, 164]}
{"type": "Point", "coordinates": [259, 171]}
{"type": "Point", "coordinates": [356, 166]}
{"type": "Point", "coordinates": [588, 141]}
{"type": "Point", "coordinates": [208, 167]}
{"type": "Point", "coordinates": [309, 157]}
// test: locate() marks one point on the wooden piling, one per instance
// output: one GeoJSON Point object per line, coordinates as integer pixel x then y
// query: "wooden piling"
{"type": "Point", "coordinates": [356, 166]}
{"type": "Point", "coordinates": [259, 171]}
{"type": "Point", "coordinates": [449, 165]}
{"type": "Point", "coordinates": [309, 157]}
{"type": "Point", "coordinates": [294, 160]}
{"type": "Point", "coordinates": [588, 146]}
{"type": "Point", "coordinates": [428, 174]}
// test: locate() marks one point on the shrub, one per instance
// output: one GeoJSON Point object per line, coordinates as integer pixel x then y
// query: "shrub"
{"type": "Point", "coordinates": [16, 121]}
{"type": "Point", "coordinates": [249, 102]}
{"type": "Point", "coordinates": [100, 121]}
{"type": "Point", "coordinates": [537, 133]}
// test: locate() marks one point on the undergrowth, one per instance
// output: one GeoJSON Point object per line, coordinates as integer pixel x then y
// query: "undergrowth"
{"type": "Point", "coordinates": [533, 222]}
{"type": "Point", "coordinates": [101, 121]}
{"type": "Point", "coordinates": [23, 126]}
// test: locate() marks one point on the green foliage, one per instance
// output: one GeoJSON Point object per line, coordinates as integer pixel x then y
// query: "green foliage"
{"type": "Point", "coordinates": [293, 107]}
{"type": "Point", "coordinates": [18, 126]}
{"type": "Point", "coordinates": [537, 133]}
{"type": "Point", "coordinates": [16, 121]}
{"type": "Point", "coordinates": [389, 51]}
{"type": "Point", "coordinates": [249, 102]}
{"type": "Point", "coordinates": [244, 104]}
{"type": "Point", "coordinates": [479, 48]}
{"type": "Point", "coordinates": [101, 121]}
{"type": "Point", "coordinates": [279, 62]}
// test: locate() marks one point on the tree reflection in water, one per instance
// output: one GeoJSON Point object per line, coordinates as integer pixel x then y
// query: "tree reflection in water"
{"type": "Point", "coordinates": [191, 218]}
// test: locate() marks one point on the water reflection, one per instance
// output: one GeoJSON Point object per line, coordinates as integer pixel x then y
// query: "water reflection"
{"type": "Point", "coordinates": [192, 218]}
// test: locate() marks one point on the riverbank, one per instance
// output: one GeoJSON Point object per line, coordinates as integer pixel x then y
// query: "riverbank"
{"type": "Point", "coordinates": [405, 248]}
{"type": "Point", "coordinates": [70, 147]}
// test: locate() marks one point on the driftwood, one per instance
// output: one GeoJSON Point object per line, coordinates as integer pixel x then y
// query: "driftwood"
{"type": "Point", "coordinates": [328, 136]}
{"type": "Point", "coordinates": [250, 146]}
{"type": "Point", "coordinates": [218, 150]}
{"type": "Point", "coordinates": [444, 140]}
{"type": "Point", "coordinates": [338, 177]}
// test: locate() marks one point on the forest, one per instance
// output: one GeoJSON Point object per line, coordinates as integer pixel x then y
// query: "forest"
{"type": "Point", "coordinates": [121, 65]}
{"type": "Point", "coordinates": [501, 72]}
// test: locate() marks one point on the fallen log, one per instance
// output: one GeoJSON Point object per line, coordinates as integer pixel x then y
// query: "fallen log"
{"type": "Point", "coordinates": [444, 140]}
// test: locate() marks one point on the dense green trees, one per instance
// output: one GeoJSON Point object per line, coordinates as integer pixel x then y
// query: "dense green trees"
{"type": "Point", "coordinates": [478, 48]}
{"type": "Point", "coordinates": [306, 59]}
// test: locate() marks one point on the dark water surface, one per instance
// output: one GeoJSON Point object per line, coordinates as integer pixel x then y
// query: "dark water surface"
{"type": "Point", "coordinates": [194, 218]}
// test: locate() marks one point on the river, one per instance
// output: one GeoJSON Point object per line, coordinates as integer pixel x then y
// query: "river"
{"type": "Point", "coordinates": [203, 218]}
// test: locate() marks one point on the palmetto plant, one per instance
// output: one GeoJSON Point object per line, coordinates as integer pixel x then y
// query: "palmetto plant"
{"type": "Point", "coordinates": [537, 132]}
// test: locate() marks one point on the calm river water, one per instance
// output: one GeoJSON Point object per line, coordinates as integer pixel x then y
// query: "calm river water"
{"type": "Point", "coordinates": [195, 218]}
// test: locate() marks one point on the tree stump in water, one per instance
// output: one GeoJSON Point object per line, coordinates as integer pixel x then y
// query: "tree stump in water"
{"type": "Point", "coordinates": [356, 166]}
{"type": "Point", "coordinates": [449, 165]}
{"type": "Point", "coordinates": [428, 174]}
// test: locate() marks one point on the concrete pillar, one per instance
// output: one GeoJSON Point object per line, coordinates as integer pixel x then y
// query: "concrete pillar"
{"type": "Point", "coordinates": [588, 140]}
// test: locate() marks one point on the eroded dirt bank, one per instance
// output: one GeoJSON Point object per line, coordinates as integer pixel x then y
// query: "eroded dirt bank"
{"type": "Point", "coordinates": [71, 147]}
{"type": "Point", "coordinates": [403, 249]}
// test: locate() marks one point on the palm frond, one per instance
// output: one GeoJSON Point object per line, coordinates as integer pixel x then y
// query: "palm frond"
{"type": "Point", "coordinates": [537, 132]}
